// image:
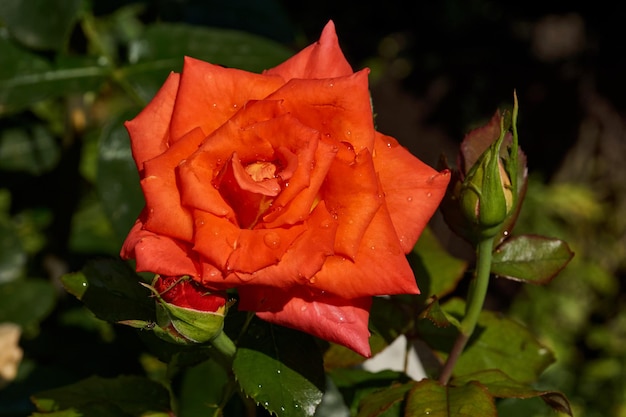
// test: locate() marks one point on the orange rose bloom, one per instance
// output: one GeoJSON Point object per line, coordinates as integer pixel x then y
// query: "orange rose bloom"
{"type": "Point", "coordinates": [277, 184]}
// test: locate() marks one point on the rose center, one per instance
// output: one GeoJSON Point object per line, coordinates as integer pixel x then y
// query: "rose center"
{"type": "Point", "coordinates": [260, 171]}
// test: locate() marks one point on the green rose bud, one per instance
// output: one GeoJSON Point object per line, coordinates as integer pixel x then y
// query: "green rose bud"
{"type": "Point", "coordinates": [187, 313]}
{"type": "Point", "coordinates": [486, 196]}
{"type": "Point", "coordinates": [483, 196]}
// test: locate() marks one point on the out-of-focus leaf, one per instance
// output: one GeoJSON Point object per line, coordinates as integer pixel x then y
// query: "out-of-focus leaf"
{"type": "Point", "coordinates": [122, 396]}
{"type": "Point", "coordinates": [501, 386]}
{"type": "Point", "coordinates": [161, 49]}
{"type": "Point", "coordinates": [12, 255]}
{"type": "Point", "coordinates": [40, 24]}
{"type": "Point", "coordinates": [26, 78]}
{"type": "Point", "coordinates": [30, 149]}
{"type": "Point", "coordinates": [357, 384]}
{"type": "Point", "coordinates": [91, 229]}
{"type": "Point", "coordinates": [533, 259]}
{"type": "Point", "coordinates": [201, 389]}
{"type": "Point", "coordinates": [429, 398]}
{"type": "Point", "coordinates": [497, 343]}
{"type": "Point", "coordinates": [111, 290]}
{"type": "Point", "coordinates": [437, 272]}
{"type": "Point", "coordinates": [118, 180]}
{"type": "Point", "coordinates": [26, 301]}
{"type": "Point", "coordinates": [280, 369]}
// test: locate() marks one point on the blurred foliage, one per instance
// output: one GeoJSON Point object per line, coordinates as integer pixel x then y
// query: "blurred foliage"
{"type": "Point", "coordinates": [68, 82]}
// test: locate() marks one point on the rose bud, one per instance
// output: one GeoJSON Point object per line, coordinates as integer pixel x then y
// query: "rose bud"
{"type": "Point", "coordinates": [486, 197]}
{"type": "Point", "coordinates": [483, 195]}
{"type": "Point", "coordinates": [186, 312]}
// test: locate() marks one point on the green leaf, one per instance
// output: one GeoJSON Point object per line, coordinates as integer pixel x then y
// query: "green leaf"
{"type": "Point", "coordinates": [162, 47]}
{"type": "Point", "coordinates": [280, 369]}
{"type": "Point", "coordinates": [437, 272]}
{"type": "Point", "coordinates": [122, 396]}
{"type": "Point", "coordinates": [40, 24]}
{"type": "Point", "coordinates": [501, 386]}
{"type": "Point", "coordinates": [26, 302]}
{"type": "Point", "coordinates": [532, 259]}
{"type": "Point", "coordinates": [117, 178]}
{"type": "Point", "coordinates": [429, 398]}
{"type": "Point", "coordinates": [111, 290]}
{"type": "Point", "coordinates": [30, 149]}
{"type": "Point", "coordinates": [25, 78]}
{"type": "Point", "coordinates": [386, 402]}
{"type": "Point", "coordinates": [497, 343]}
{"type": "Point", "coordinates": [12, 255]}
{"type": "Point", "coordinates": [357, 384]}
{"type": "Point", "coordinates": [201, 389]}
{"type": "Point", "coordinates": [91, 230]}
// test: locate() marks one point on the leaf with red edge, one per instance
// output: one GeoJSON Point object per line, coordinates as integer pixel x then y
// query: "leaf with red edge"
{"type": "Point", "coordinates": [532, 259]}
{"type": "Point", "coordinates": [501, 385]}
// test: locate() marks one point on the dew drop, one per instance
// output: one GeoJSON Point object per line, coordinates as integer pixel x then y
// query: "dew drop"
{"type": "Point", "coordinates": [271, 240]}
{"type": "Point", "coordinates": [348, 133]}
{"type": "Point", "coordinates": [506, 233]}
{"type": "Point", "coordinates": [214, 105]}
{"type": "Point", "coordinates": [278, 371]}
{"type": "Point", "coordinates": [234, 106]}
{"type": "Point", "coordinates": [409, 199]}
{"type": "Point", "coordinates": [427, 411]}
{"type": "Point", "coordinates": [331, 84]}
{"type": "Point", "coordinates": [259, 386]}
{"type": "Point", "coordinates": [429, 194]}
{"type": "Point", "coordinates": [282, 408]}
{"type": "Point", "coordinates": [84, 284]}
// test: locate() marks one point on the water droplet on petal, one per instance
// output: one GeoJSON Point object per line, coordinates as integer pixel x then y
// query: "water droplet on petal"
{"type": "Point", "coordinates": [409, 199]}
{"type": "Point", "coordinates": [271, 240]}
{"type": "Point", "coordinates": [429, 194]}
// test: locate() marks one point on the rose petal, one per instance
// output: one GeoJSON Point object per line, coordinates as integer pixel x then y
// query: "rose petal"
{"type": "Point", "coordinates": [351, 192]}
{"type": "Point", "coordinates": [339, 108]}
{"type": "Point", "coordinates": [149, 131]}
{"type": "Point", "coordinates": [164, 212]}
{"type": "Point", "coordinates": [305, 256]}
{"type": "Point", "coordinates": [215, 238]}
{"type": "Point", "coordinates": [323, 59]}
{"type": "Point", "coordinates": [330, 318]}
{"type": "Point", "coordinates": [380, 267]}
{"type": "Point", "coordinates": [209, 95]}
{"type": "Point", "coordinates": [413, 190]}
{"type": "Point", "coordinates": [158, 254]}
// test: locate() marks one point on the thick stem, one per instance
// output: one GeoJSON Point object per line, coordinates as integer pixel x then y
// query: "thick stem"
{"type": "Point", "coordinates": [225, 348]}
{"type": "Point", "coordinates": [474, 305]}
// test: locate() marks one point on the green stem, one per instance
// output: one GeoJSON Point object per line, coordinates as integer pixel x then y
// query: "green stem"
{"type": "Point", "coordinates": [474, 305]}
{"type": "Point", "coordinates": [225, 349]}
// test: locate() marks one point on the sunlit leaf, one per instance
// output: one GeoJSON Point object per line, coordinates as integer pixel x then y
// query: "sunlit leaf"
{"type": "Point", "coordinates": [497, 343]}
{"type": "Point", "coordinates": [532, 259]}
{"type": "Point", "coordinates": [280, 369]}
{"type": "Point", "coordinates": [162, 47]}
{"type": "Point", "coordinates": [502, 386]}
{"type": "Point", "coordinates": [429, 398]}
{"type": "Point", "coordinates": [122, 396]}
{"type": "Point", "coordinates": [40, 24]}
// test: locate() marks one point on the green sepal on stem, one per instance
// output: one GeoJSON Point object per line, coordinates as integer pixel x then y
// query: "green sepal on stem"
{"type": "Point", "coordinates": [185, 325]}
